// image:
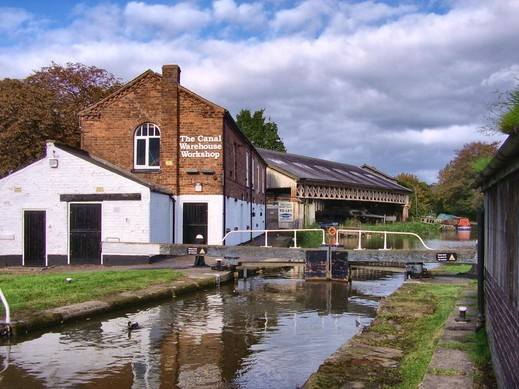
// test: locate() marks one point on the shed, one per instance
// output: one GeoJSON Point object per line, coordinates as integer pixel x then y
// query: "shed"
{"type": "Point", "coordinates": [59, 209]}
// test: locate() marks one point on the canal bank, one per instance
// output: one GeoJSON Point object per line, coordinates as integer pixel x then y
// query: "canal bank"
{"type": "Point", "coordinates": [396, 349]}
{"type": "Point", "coordinates": [189, 280]}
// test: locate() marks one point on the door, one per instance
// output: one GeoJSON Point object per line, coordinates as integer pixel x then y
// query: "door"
{"type": "Point", "coordinates": [194, 222]}
{"type": "Point", "coordinates": [85, 234]}
{"type": "Point", "coordinates": [34, 236]}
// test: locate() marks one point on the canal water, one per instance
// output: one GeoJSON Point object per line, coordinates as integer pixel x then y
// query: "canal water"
{"type": "Point", "coordinates": [265, 332]}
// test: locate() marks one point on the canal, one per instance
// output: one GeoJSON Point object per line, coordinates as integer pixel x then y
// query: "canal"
{"type": "Point", "coordinates": [265, 332]}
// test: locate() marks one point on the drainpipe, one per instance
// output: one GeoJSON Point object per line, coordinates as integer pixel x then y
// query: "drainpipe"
{"type": "Point", "coordinates": [224, 178]}
{"type": "Point", "coordinates": [481, 264]}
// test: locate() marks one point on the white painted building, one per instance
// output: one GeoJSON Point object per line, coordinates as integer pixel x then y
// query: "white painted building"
{"type": "Point", "coordinates": [59, 209]}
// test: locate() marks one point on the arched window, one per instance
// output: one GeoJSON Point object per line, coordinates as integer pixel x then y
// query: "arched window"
{"type": "Point", "coordinates": [147, 147]}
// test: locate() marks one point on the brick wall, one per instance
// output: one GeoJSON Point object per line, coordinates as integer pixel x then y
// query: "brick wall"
{"type": "Point", "coordinates": [199, 117]}
{"type": "Point", "coordinates": [108, 132]}
{"type": "Point", "coordinates": [237, 150]}
{"type": "Point", "coordinates": [503, 333]}
{"type": "Point", "coordinates": [107, 129]}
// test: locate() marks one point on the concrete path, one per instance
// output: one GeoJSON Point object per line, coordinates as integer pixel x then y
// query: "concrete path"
{"type": "Point", "coordinates": [452, 368]}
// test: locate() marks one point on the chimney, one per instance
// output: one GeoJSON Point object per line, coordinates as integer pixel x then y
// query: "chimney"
{"type": "Point", "coordinates": [171, 74]}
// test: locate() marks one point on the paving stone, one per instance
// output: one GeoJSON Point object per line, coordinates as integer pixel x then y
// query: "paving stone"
{"type": "Point", "coordinates": [432, 381]}
{"type": "Point", "coordinates": [451, 359]}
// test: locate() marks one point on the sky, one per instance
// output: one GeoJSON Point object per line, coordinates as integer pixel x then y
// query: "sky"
{"type": "Point", "coordinates": [400, 85]}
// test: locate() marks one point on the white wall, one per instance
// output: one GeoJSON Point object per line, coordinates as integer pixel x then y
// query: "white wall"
{"type": "Point", "coordinates": [161, 218]}
{"type": "Point", "coordinates": [39, 186]}
{"type": "Point", "coordinates": [238, 218]}
{"type": "Point", "coordinates": [214, 216]}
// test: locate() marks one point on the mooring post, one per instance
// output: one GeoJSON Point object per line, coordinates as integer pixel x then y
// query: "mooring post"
{"type": "Point", "coordinates": [266, 240]}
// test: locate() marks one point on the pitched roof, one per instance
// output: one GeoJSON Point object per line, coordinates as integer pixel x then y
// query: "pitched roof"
{"type": "Point", "coordinates": [501, 164]}
{"type": "Point", "coordinates": [80, 153]}
{"type": "Point", "coordinates": [125, 88]}
{"type": "Point", "coordinates": [317, 170]}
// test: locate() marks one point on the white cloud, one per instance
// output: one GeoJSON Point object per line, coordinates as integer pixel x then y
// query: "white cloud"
{"type": "Point", "coordinates": [505, 77]}
{"type": "Point", "coordinates": [180, 17]}
{"type": "Point", "coordinates": [16, 20]}
{"type": "Point", "coordinates": [249, 14]}
{"type": "Point", "coordinates": [397, 87]}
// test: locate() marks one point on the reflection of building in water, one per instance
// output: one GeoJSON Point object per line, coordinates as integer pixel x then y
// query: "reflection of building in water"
{"type": "Point", "coordinates": [205, 340]}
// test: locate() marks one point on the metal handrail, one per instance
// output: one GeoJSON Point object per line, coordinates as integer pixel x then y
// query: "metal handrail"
{"type": "Point", "coordinates": [360, 232]}
{"type": "Point", "coordinates": [7, 310]}
{"type": "Point", "coordinates": [294, 230]}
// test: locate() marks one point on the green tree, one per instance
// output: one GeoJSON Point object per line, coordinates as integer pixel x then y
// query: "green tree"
{"type": "Point", "coordinates": [455, 190]}
{"type": "Point", "coordinates": [422, 198]}
{"type": "Point", "coordinates": [261, 132]}
{"type": "Point", "coordinates": [45, 106]}
{"type": "Point", "coordinates": [509, 119]}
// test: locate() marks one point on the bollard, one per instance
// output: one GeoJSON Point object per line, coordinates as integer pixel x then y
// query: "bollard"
{"type": "Point", "coordinates": [200, 256]}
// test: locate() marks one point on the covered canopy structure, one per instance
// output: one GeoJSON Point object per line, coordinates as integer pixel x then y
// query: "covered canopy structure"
{"type": "Point", "coordinates": [302, 190]}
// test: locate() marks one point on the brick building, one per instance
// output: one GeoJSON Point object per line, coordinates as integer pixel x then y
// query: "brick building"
{"type": "Point", "coordinates": [499, 270]}
{"type": "Point", "coordinates": [166, 134]}
{"type": "Point", "coordinates": [158, 164]}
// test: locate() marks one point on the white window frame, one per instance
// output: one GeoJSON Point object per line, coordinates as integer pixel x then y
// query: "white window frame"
{"type": "Point", "coordinates": [137, 136]}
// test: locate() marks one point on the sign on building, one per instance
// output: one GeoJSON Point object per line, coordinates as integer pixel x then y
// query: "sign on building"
{"type": "Point", "coordinates": [285, 212]}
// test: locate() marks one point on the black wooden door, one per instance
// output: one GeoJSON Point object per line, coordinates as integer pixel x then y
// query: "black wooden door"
{"type": "Point", "coordinates": [34, 245]}
{"type": "Point", "coordinates": [85, 233]}
{"type": "Point", "coordinates": [194, 222]}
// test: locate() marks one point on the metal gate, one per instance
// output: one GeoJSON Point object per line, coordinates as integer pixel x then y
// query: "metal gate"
{"type": "Point", "coordinates": [194, 222]}
{"type": "Point", "coordinates": [85, 233]}
{"type": "Point", "coordinates": [34, 242]}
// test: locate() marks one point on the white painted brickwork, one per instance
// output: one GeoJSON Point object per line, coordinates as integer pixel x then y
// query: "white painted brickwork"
{"type": "Point", "coordinates": [38, 186]}
{"type": "Point", "coordinates": [238, 218]}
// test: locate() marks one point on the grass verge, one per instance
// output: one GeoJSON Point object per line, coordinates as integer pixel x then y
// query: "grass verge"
{"type": "Point", "coordinates": [37, 292]}
{"type": "Point", "coordinates": [396, 349]}
{"type": "Point", "coordinates": [453, 268]}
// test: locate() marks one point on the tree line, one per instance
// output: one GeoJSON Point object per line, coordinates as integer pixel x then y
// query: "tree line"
{"type": "Point", "coordinates": [45, 105]}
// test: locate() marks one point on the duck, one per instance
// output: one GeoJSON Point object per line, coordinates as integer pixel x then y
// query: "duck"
{"type": "Point", "coordinates": [132, 326]}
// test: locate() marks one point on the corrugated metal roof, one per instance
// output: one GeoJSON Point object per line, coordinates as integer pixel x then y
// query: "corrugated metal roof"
{"type": "Point", "coordinates": [318, 170]}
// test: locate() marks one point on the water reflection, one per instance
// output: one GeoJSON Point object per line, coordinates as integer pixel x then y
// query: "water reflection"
{"type": "Point", "coordinates": [444, 240]}
{"type": "Point", "coordinates": [271, 332]}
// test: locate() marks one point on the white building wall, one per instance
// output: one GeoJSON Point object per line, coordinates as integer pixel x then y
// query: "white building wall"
{"type": "Point", "coordinates": [238, 217]}
{"type": "Point", "coordinates": [38, 186]}
{"type": "Point", "coordinates": [214, 216]}
{"type": "Point", "coordinates": [161, 218]}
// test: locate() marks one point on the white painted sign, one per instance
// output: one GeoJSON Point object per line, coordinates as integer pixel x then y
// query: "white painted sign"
{"type": "Point", "coordinates": [285, 212]}
{"type": "Point", "coordinates": [201, 146]}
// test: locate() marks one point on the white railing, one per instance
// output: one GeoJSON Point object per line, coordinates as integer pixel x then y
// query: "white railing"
{"type": "Point", "coordinates": [6, 307]}
{"type": "Point", "coordinates": [385, 233]}
{"type": "Point", "coordinates": [266, 232]}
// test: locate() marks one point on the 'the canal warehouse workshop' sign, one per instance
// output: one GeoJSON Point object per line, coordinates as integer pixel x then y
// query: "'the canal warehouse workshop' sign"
{"type": "Point", "coordinates": [201, 146]}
